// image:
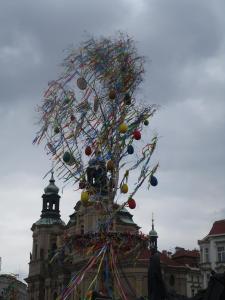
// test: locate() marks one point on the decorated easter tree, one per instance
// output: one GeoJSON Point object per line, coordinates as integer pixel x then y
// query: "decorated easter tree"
{"type": "Point", "coordinates": [91, 112]}
{"type": "Point", "coordinates": [93, 128]}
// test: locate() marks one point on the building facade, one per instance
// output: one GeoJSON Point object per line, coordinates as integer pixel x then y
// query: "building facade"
{"type": "Point", "coordinates": [212, 251]}
{"type": "Point", "coordinates": [47, 279]}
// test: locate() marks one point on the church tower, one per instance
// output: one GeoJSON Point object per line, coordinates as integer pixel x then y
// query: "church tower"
{"type": "Point", "coordinates": [45, 234]}
{"type": "Point", "coordinates": [153, 237]}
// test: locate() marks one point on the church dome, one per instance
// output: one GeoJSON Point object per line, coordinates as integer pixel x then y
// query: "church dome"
{"type": "Point", "coordinates": [51, 188]}
{"type": "Point", "coordinates": [153, 233]}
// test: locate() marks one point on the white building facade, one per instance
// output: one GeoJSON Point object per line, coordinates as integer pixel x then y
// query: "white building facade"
{"type": "Point", "coordinates": [212, 251]}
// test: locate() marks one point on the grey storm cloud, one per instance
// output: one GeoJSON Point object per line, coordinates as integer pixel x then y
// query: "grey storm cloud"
{"type": "Point", "coordinates": [184, 45]}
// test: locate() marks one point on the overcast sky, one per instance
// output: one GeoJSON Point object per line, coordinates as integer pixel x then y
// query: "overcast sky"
{"type": "Point", "coordinates": [184, 43]}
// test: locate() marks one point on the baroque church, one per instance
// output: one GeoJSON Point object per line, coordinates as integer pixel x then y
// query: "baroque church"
{"type": "Point", "coordinates": [50, 270]}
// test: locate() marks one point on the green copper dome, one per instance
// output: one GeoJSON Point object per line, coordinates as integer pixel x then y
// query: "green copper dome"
{"type": "Point", "coordinates": [153, 233]}
{"type": "Point", "coordinates": [51, 188]}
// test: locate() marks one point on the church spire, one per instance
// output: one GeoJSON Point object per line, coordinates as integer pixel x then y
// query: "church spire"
{"type": "Point", "coordinates": [153, 236]}
{"type": "Point", "coordinates": [152, 221]}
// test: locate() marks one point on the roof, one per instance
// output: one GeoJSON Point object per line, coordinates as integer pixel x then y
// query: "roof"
{"type": "Point", "coordinates": [49, 221]}
{"type": "Point", "coordinates": [164, 258]}
{"type": "Point", "coordinates": [126, 220]}
{"type": "Point", "coordinates": [153, 233]}
{"type": "Point", "coordinates": [186, 253]}
{"type": "Point", "coordinates": [218, 228]}
{"type": "Point", "coordinates": [10, 277]}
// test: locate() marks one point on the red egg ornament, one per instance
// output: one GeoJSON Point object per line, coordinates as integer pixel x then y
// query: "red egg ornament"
{"type": "Point", "coordinates": [137, 135]}
{"type": "Point", "coordinates": [88, 150]}
{"type": "Point", "coordinates": [131, 203]}
{"type": "Point", "coordinates": [72, 118]}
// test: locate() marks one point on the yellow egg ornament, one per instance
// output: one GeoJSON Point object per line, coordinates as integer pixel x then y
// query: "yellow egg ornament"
{"type": "Point", "coordinates": [123, 128]}
{"type": "Point", "coordinates": [124, 188]}
{"type": "Point", "coordinates": [84, 196]}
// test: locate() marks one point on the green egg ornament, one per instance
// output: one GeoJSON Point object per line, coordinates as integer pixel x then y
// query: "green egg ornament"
{"type": "Point", "coordinates": [56, 130]}
{"type": "Point", "coordinates": [146, 122]}
{"type": "Point", "coordinates": [66, 157]}
{"type": "Point", "coordinates": [127, 99]}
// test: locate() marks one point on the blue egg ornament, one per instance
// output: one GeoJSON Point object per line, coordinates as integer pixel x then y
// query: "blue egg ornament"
{"type": "Point", "coordinates": [130, 149]}
{"type": "Point", "coordinates": [153, 181]}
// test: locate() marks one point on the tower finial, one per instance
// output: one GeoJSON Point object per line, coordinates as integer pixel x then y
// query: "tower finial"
{"type": "Point", "coordinates": [152, 221]}
{"type": "Point", "coordinates": [52, 176]}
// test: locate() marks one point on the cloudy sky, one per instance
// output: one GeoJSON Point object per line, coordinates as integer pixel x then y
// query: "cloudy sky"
{"type": "Point", "coordinates": [184, 43]}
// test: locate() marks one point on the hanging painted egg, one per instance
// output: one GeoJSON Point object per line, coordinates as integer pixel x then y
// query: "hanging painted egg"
{"type": "Point", "coordinates": [88, 150]}
{"type": "Point", "coordinates": [124, 188]}
{"type": "Point", "coordinates": [110, 165]}
{"type": "Point", "coordinates": [130, 149]}
{"type": "Point", "coordinates": [84, 196]}
{"type": "Point", "coordinates": [153, 181]}
{"type": "Point", "coordinates": [137, 135]}
{"type": "Point", "coordinates": [67, 157]}
{"type": "Point", "coordinates": [146, 122]}
{"type": "Point", "coordinates": [56, 130]}
{"type": "Point", "coordinates": [112, 95]}
{"type": "Point", "coordinates": [131, 203]}
{"type": "Point", "coordinates": [81, 83]}
{"type": "Point", "coordinates": [127, 99]}
{"type": "Point", "coordinates": [72, 118]}
{"type": "Point", "coordinates": [123, 128]}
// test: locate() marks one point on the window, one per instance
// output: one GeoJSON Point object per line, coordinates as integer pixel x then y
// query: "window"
{"type": "Point", "coordinates": [221, 253]}
{"type": "Point", "coordinates": [206, 255]}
